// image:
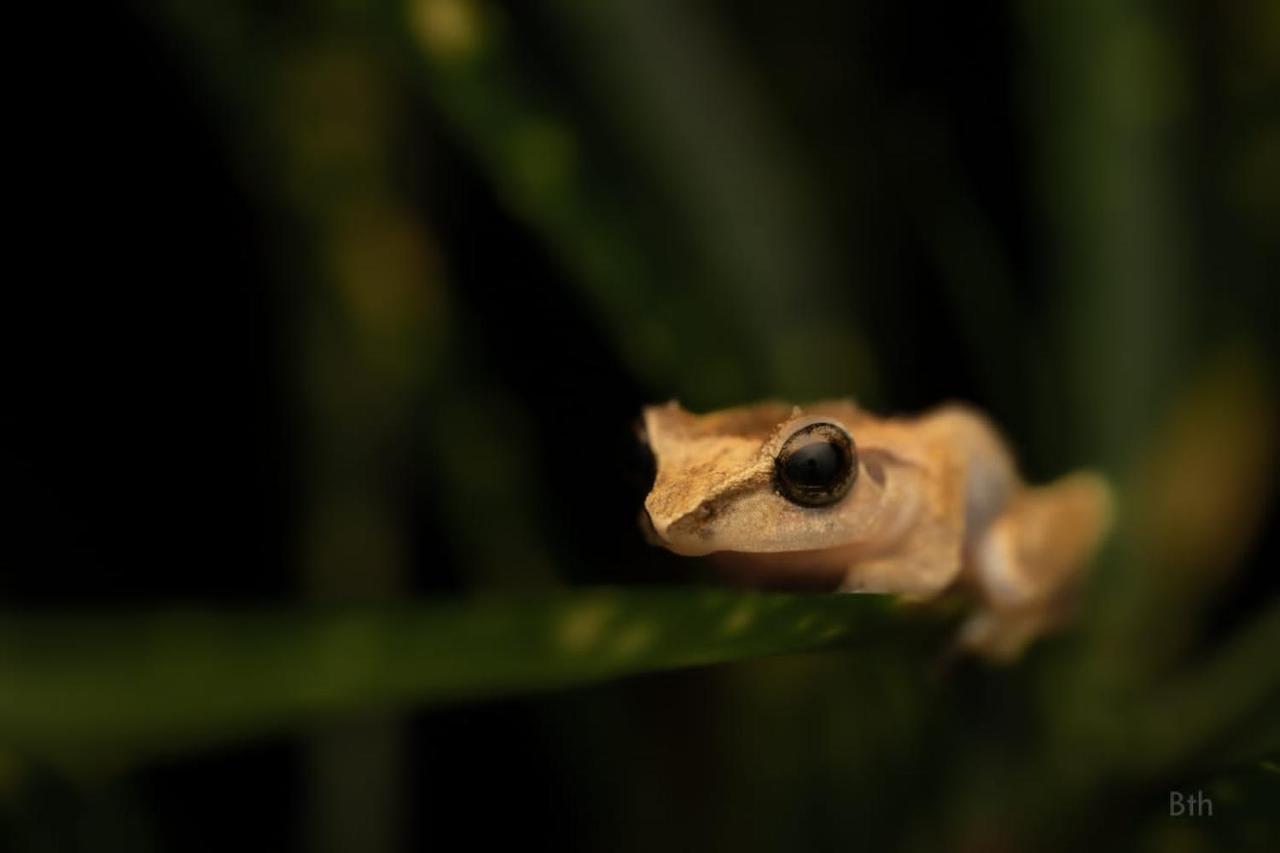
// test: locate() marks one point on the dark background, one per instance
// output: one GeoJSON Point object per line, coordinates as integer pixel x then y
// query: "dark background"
{"type": "Point", "coordinates": [165, 403]}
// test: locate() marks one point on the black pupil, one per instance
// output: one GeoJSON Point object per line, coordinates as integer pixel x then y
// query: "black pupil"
{"type": "Point", "coordinates": [815, 465]}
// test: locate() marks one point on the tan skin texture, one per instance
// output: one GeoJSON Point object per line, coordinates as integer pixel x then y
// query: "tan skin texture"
{"type": "Point", "coordinates": [935, 504]}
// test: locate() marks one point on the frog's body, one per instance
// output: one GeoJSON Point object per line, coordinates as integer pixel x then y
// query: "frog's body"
{"type": "Point", "coordinates": [831, 495]}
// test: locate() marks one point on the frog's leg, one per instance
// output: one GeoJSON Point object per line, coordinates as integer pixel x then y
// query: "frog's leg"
{"type": "Point", "coordinates": [1030, 559]}
{"type": "Point", "coordinates": [970, 481]}
{"type": "Point", "coordinates": [924, 566]}
{"type": "Point", "coordinates": [928, 559]}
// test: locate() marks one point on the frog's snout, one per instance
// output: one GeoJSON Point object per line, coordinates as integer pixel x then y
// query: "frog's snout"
{"type": "Point", "coordinates": [647, 529]}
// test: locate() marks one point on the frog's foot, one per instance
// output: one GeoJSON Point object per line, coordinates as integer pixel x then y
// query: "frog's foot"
{"type": "Point", "coordinates": [1000, 636]}
{"type": "Point", "coordinates": [1031, 559]}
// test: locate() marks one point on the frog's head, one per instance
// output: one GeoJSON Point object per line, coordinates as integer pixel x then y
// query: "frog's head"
{"type": "Point", "coordinates": [756, 479]}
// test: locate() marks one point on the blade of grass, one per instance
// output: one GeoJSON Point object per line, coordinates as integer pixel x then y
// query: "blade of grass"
{"type": "Point", "coordinates": [183, 677]}
{"type": "Point", "coordinates": [539, 162]}
{"type": "Point", "coordinates": [691, 117]}
{"type": "Point", "coordinates": [722, 246]}
{"type": "Point", "coordinates": [1104, 90]}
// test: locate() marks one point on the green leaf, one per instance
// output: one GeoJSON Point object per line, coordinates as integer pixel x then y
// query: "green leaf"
{"type": "Point", "coordinates": [181, 677]}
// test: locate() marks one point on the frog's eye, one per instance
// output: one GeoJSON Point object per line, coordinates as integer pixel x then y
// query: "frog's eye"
{"type": "Point", "coordinates": [817, 465]}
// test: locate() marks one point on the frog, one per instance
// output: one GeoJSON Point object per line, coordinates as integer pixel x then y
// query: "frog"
{"type": "Point", "coordinates": [829, 496]}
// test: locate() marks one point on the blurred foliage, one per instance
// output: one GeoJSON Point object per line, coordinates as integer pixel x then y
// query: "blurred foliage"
{"type": "Point", "coordinates": [91, 688]}
{"type": "Point", "coordinates": [726, 201]}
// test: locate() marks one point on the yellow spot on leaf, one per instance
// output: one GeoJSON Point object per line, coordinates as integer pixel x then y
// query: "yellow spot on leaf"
{"type": "Point", "coordinates": [581, 627]}
{"type": "Point", "coordinates": [449, 29]}
{"type": "Point", "coordinates": [739, 619]}
{"type": "Point", "coordinates": [633, 640]}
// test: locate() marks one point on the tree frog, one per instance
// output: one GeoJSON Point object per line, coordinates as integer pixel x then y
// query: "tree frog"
{"type": "Point", "coordinates": [831, 496]}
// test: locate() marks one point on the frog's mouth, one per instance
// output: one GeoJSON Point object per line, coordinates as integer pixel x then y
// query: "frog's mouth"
{"type": "Point", "coordinates": [790, 571]}
{"type": "Point", "coordinates": [810, 571]}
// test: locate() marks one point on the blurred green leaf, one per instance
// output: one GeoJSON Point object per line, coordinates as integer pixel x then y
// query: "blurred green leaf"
{"type": "Point", "coordinates": [689, 113]}
{"type": "Point", "coordinates": [739, 245]}
{"type": "Point", "coordinates": [172, 678]}
{"type": "Point", "coordinates": [1226, 707]}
